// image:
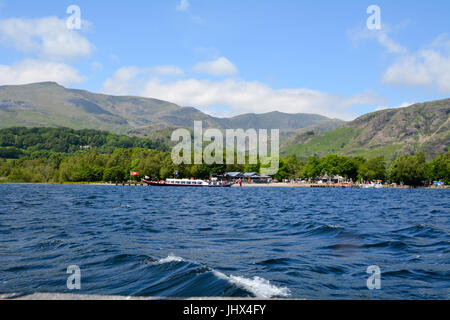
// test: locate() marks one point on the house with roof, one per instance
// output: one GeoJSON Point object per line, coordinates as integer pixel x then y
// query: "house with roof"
{"type": "Point", "coordinates": [248, 177]}
{"type": "Point", "coordinates": [254, 177]}
{"type": "Point", "coordinates": [233, 175]}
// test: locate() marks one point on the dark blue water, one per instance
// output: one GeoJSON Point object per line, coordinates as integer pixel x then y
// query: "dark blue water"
{"type": "Point", "coordinates": [263, 242]}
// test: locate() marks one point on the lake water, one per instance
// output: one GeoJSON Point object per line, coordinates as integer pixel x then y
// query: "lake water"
{"type": "Point", "coordinates": [259, 242]}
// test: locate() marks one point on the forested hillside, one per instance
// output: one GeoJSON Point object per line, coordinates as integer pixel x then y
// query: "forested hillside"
{"type": "Point", "coordinates": [38, 142]}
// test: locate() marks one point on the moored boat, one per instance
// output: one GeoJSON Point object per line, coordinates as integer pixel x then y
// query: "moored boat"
{"type": "Point", "coordinates": [375, 185]}
{"type": "Point", "coordinates": [187, 183]}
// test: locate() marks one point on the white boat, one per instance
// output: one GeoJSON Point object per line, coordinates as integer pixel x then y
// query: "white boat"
{"type": "Point", "coordinates": [187, 183]}
{"type": "Point", "coordinates": [377, 185]}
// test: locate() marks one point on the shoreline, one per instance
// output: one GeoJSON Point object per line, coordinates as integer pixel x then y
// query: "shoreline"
{"type": "Point", "coordinates": [342, 186]}
{"type": "Point", "coordinates": [244, 185]}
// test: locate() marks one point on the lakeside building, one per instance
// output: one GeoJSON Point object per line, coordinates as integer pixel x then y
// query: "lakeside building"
{"type": "Point", "coordinates": [233, 175]}
{"type": "Point", "coordinates": [248, 177]}
{"type": "Point", "coordinates": [331, 179]}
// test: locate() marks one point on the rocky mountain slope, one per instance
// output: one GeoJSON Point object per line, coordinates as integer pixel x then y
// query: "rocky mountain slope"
{"type": "Point", "coordinates": [420, 127]}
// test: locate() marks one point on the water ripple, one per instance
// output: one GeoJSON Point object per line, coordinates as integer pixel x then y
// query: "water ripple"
{"type": "Point", "coordinates": [261, 242]}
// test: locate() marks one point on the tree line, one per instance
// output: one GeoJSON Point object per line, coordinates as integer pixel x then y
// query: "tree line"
{"type": "Point", "coordinates": [407, 169]}
{"type": "Point", "coordinates": [96, 166]}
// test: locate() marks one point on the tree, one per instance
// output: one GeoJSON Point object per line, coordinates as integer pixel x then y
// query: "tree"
{"type": "Point", "coordinates": [167, 169]}
{"type": "Point", "coordinates": [330, 164]}
{"type": "Point", "coordinates": [150, 166]}
{"type": "Point", "coordinates": [312, 168]}
{"type": "Point", "coordinates": [293, 167]}
{"type": "Point", "coordinates": [333, 164]}
{"type": "Point", "coordinates": [11, 153]}
{"type": "Point", "coordinates": [114, 174]}
{"type": "Point", "coordinates": [5, 170]}
{"type": "Point", "coordinates": [440, 168]}
{"type": "Point", "coordinates": [251, 167]}
{"type": "Point", "coordinates": [282, 170]}
{"type": "Point", "coordinates": [7, 140]}
{"type": "Point", "coordinates": [411, 170]}
{"type": "Point", "coordinates": [349, 168]}
{"type": "Point", "coordinates": [374, 169]}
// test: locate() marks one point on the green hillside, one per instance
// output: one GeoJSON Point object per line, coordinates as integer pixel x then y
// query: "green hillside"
{"type": "Point", "coordinates": [48, 104]}
{"type": "Point", "coordinates": [420, 127]}
{"type": "Point", "coordinates": [21, 142]}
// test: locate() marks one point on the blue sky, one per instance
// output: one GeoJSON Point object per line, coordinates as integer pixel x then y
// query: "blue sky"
{"type": "Point", "coordinates": [227, 57]}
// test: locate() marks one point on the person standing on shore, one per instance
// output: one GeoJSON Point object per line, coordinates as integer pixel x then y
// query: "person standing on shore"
{"type": "Point", "coordinates": [240, 182]}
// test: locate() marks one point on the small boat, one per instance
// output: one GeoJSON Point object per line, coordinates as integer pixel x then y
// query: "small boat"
{"type": "Point", "coordinates": [376, 185]}
{"type": "Point", "coordinates": [187, 183]}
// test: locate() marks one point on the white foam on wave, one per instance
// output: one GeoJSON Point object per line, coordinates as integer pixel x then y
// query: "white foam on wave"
{"type": "Point", "coordinates": [333, 226]}
{"type": "Point", "coordinates": [169, 258]}
{"type": "Point", "coordinates": [260, 287]}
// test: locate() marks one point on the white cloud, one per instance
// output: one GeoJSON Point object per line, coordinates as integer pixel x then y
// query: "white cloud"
{"type": "Point", "coordinates": [30, 71]}
{"type": "Point", "coordinates": [408, 70]}
{"type": "Point", "coordinates": [183, 5]}
{"type": "Point", "coordinates": [403, 105]}
{"type": "Point", "coordinates": [123, 82]}
{"type": "Point", "coordinates": [389, 44]}
{"type": "Point", "coordinates": [232, 96]}
{"type": "Point", "coordinates": [382, 36]}
{"type": "Point", "coordinates": [131, 79]}
{"type": "Point", "coordinates": [48, 37]}
{"type": "Point", "coordinates": [367, 97]}
{"type": "Point", "coordinates": [167, 71]}
{"type": "Point", "coordinates": [219, 67]}
{"type": "Point", "coordinates": [242, 96]}
{"type": "Point", "coordinates": [427, 67]}
{"type": "Point", "coordinates": [441, 41]}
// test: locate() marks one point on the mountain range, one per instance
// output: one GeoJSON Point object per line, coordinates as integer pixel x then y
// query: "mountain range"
{"type": "Point", "coordinates": [49, 104]}
{"type": "Point", "coordinates": [419, 127]}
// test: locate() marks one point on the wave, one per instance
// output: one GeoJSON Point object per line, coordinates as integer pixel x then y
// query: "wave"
{"type": "Point", "coordinates": [275, 261]}
{"type": "Point", "coordinates": [169, 258]}
{"type": "Point", "coordinates": [339, 246]}
{"type": "Point", "coordinates": [420, 230]}
{"type": "Point", "coordinates": [387, 244]}
{"type": "Point", "coordinates": [324, 229]}
{"type": "Point", "coordinates": [258, 286]}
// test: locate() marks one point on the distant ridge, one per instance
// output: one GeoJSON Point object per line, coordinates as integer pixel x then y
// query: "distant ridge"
{"type": "Point", "coordinates": [50, 104]}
